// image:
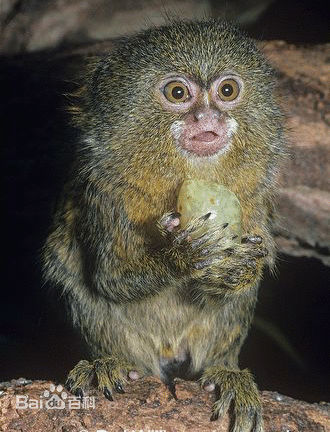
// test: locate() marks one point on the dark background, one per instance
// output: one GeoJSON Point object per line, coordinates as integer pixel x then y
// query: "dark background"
{"type": "Point", "coordinates": [35, 341]}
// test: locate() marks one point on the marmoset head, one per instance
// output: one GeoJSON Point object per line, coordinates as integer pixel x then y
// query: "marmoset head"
{"type": "Point", "coordinates": [191, 90]}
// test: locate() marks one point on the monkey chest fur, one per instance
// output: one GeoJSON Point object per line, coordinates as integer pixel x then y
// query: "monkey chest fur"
{"type": "Point", "coordinates": [171, 336]}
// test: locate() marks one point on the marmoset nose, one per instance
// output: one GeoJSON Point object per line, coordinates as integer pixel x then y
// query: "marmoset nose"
{"type": "Point", "coordinates": [203, 114]}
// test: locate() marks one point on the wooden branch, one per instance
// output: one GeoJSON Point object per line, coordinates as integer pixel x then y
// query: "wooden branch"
{"type": "Point", "coordinates": [146, 406]}
{"type": "Point", "coordinates": [303, 228]}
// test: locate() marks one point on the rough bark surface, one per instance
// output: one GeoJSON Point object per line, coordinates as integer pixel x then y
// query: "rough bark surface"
{"type": "Point", "coordinates": [32, 25]}
{"type": "Point", "coordinates": [145, 406]}
{"type": "Point", "coordinates": [303, 227]}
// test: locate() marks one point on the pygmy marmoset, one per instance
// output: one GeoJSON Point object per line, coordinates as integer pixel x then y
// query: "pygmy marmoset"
{"type": "Point", "coordinates": [190, 100]}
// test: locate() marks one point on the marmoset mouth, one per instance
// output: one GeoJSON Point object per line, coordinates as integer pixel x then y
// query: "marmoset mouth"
{"type": "Point", "coordinates": [207, 136]}
{"type": "Point", "coordinates": [206, 143]}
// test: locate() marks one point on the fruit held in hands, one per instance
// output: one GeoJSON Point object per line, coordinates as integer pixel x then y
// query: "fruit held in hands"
{"type": "Point", "coordinates": [199, 197]}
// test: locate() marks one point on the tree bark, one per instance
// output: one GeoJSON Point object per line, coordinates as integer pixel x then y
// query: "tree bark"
{"type": "Point", "coordinates": [145, 406]}
{"type": "Point", "coordinates": [303, 226]}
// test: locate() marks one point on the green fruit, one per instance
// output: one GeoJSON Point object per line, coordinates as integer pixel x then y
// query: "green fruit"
{"type": "Point", "coordinates": [199, 197]}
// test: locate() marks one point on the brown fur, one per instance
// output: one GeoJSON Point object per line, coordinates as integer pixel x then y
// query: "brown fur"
{"type": "Point", "coordinates": [142, 298]}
